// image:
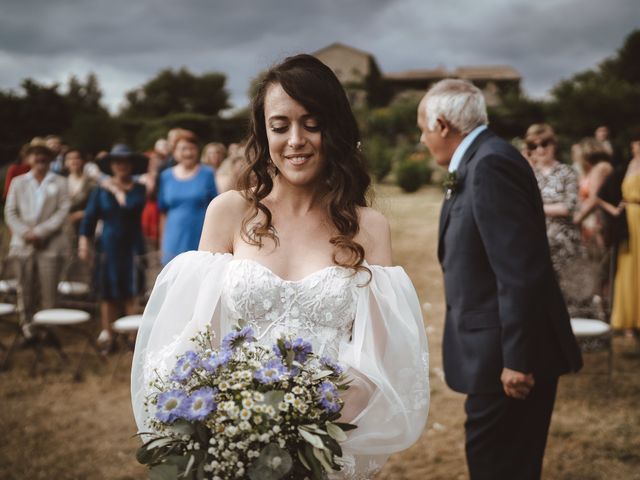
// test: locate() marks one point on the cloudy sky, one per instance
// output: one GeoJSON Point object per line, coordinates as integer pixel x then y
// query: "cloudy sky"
{"type": "Point", "coordinates": [126, 42]}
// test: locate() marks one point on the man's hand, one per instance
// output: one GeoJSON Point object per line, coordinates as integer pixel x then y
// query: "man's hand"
{"type": "Point", "coordinates": [516, 384]}
{"type": "Point", "coordinates": [30, 237]}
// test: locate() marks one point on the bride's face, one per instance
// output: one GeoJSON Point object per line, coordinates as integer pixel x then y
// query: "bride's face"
{"type": "Point", "coordinates": [295, 138]}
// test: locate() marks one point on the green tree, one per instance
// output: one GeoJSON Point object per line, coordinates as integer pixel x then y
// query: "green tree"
{"type": "Point", "coordinates": [181, 91]}
{"type": "Point", "coordinates": [608, 94]}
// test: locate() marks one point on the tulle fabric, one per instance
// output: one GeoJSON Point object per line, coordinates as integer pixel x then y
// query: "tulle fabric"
{"type": "Point", "coordinates": [387, 354]}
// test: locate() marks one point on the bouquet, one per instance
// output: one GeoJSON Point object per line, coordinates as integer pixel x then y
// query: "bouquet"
{"type": "Point", "coordinates": [246, 411]}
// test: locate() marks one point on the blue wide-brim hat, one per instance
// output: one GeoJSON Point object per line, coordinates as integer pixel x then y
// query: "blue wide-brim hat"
{"type": "Point", "coordinates": [120, 151]}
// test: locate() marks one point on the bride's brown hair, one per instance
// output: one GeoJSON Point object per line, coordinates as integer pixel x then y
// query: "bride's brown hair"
{"type": "Point", "coordinates": [314, 86]}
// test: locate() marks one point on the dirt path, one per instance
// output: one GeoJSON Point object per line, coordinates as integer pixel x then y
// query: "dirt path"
{"type": "Point", "coordinates": [52, 428]}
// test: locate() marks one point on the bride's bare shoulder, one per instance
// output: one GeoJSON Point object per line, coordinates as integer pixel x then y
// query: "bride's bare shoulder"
{"type": "Point", "coordinates": [223, 220]}
{"type": "Point", "coordinates": [374, 236]}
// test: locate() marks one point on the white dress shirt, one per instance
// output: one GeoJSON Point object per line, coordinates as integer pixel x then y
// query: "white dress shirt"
{"type": "Point", "coordinates": [464, 145]}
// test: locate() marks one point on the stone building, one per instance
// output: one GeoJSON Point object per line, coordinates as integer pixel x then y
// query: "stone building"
{"type": "Point", "coordinates": [367, 85]}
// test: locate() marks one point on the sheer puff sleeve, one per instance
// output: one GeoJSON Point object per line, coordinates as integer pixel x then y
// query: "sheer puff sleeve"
{"type": "Point", "coordinates": [388, 360]}
{"type": "Point", "coordinates": [183, 302]}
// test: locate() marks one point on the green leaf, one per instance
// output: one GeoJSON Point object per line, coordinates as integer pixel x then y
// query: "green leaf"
{"type": "Point", "coordinates": [200, 473]}
{"type": "Point", "coordinates": [182, 427]}
{"type": "Point", "coordinates": [336, 432]}
{"type": "Point", "coordinates": [321, 455]}
{"type": "Point", "coordinates": [273, 398]}
{"type": "Point", "coordinates": [313, 428]}
{"type": "Point", "coordinates": [317, 472]}
{"type": "Point", "coordinates": [192, 460]}
{"type": "Point", "coordinates": [314, 440]}
{"type": "Point", "coordinates": [334, 446]}
{"type": "Point", "coordinates": [322, 374]}
{"type": "Point", "coordinates": [303, 460]}
{"type": "Point", "coordinates": [159, 442]}
{"type": "Point", "coordinates": [290, 357]}
{"type": "Point", "coordinates": [143, 455]}
{"type": "Point", "coordinates": [179, 461]}
{"type": "Point", "coordinates": [346, 426]}
{"type": "Point", "coordinates": [163, 472]}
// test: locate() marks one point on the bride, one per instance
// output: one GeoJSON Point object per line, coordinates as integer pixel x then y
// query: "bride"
{"type": "Point", "coordinates": [296, 251]}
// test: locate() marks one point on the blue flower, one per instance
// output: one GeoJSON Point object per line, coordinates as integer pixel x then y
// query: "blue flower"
{"type": "Point", "coordinates": [171, 405]}
{"type": "Point", "coordinates": [185, 366]}
{"type": "Point", "coordinates": [200, 404]}
{"type": "Point", "coordinates": [300, 347]}
{"type": "Point", "coordinates": [215, 360]}
{"type": "Point", "coordinates": [234, 339]}
{"type": "Point", "coordinates": [330, 364]}
{"type": "Point", "coordinates": [273, 371]}
{"type": "Point", "coordinates": [329, 397]}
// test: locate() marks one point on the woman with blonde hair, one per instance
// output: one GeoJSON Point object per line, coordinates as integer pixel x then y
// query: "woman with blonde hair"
{"type": "Point", "coordinates": [213, 154]}
{"type": "Point", "coordinates": [558, 185]}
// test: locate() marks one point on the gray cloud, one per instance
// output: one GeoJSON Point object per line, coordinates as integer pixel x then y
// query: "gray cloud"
{"type": "Point", "coordinates": [126, 42]}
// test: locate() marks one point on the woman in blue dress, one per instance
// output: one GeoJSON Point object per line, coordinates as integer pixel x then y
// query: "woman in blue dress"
{"type": "Point", "coordinates": [183, 197]}
{"type": "Point", "coordinates": [120, 209]}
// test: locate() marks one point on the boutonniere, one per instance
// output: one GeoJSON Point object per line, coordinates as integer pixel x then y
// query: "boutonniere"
{"type": "Point", "coordinates": [450, 183]}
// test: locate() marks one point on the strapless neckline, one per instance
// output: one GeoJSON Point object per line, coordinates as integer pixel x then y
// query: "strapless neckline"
{"type": "Point", "coordinates": [284, 280]}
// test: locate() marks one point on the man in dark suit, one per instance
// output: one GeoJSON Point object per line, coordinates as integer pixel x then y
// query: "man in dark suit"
{"type": "Point", "coordinates": [507, 333]}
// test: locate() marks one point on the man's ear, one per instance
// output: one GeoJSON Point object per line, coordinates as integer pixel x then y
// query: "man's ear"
{"type": "Point", "coordinates": [443, 127]}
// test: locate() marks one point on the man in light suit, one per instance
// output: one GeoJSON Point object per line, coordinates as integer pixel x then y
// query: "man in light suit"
{"type": "Point", "coordinates": [507, 333]}
{"type": "Point", "coordinates": [36, 209]}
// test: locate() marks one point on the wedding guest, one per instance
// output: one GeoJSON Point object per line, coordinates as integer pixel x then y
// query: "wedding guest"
{"type": "Point", "coordinates": [229, 173]}
{"type": "Point", "coordinates": [20, 167]}
{"type": "Point", "coordinates": [507, 333]}
{"type": "Point", "coordinates": [558, 186]}
{"type": "Point", "coordinates": [183, 196]}
{"type": "Point", "coordinates": [117, 278]}
{"type": "Point", "coordinates": [36, 209]}
{"type": "Point", "coordinates": [595, 163]}
{"type": "Point", "coordinates": [151, 213]}
{"type": "Point", "coordinates": [626, 301]}
{"type": "Point", "coordinates": [54, 143]}
{"type": "Point", "coordinates": [161, 147]}
{"type": "Point", "coordinates": [601, 135]}
{"type": "Point", "coordinates": [576, 155]}
{"type": "Point", "coordinates": [80, 186]}
{"type": "Point", "coordinates": [213, 154]}
{"type": "Point", "coordinates": [172, 137]}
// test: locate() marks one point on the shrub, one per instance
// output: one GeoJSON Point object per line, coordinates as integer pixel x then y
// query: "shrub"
{"type": "Point", "coordinates": [378, 154]}
{"type": "Point", "coordinates": [411, 174]}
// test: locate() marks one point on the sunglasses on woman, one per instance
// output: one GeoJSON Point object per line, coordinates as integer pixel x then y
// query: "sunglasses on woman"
{"type": "Point", "coordinates": [533, 145]}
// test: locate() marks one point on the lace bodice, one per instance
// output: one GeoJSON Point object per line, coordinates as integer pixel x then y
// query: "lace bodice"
{"type": "Point", "coordinates": [319, 308]}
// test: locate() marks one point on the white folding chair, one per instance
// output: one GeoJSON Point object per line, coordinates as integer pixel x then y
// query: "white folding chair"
{"type": "Point", "coordinates": [124, 327]}
{"type": "Point", "coordinates": [594, 336]}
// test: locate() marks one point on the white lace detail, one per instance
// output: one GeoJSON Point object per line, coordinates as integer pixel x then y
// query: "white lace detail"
{"type": "Point", "coordinates": [319, 308]}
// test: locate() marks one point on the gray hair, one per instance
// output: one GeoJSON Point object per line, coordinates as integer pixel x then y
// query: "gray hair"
{"type": "Point", "coordinates": [459, 102]}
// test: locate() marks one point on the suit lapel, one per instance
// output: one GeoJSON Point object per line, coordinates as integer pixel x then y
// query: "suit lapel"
{"type": "Point", "coordinates": [460, 174]}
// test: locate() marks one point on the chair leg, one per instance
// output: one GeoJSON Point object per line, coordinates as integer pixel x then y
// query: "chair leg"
{"type": "Point", "coordinates": [53, 340]}
{"type": "Point", "coordinates": [77, 376]}
{"type": "Point", "coordinates": [7, 357]}
{"type": "Point", "coordinates": [38, 357]}
{"type": "Point", "coordinates": [610, 362]}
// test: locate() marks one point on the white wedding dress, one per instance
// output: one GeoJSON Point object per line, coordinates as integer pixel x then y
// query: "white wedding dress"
{"type": "Point", "coordinates": [373, 329]}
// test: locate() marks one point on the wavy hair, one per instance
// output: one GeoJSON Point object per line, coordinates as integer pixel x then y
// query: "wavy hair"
{"type": "Point", "coordinates": [313, 85]}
